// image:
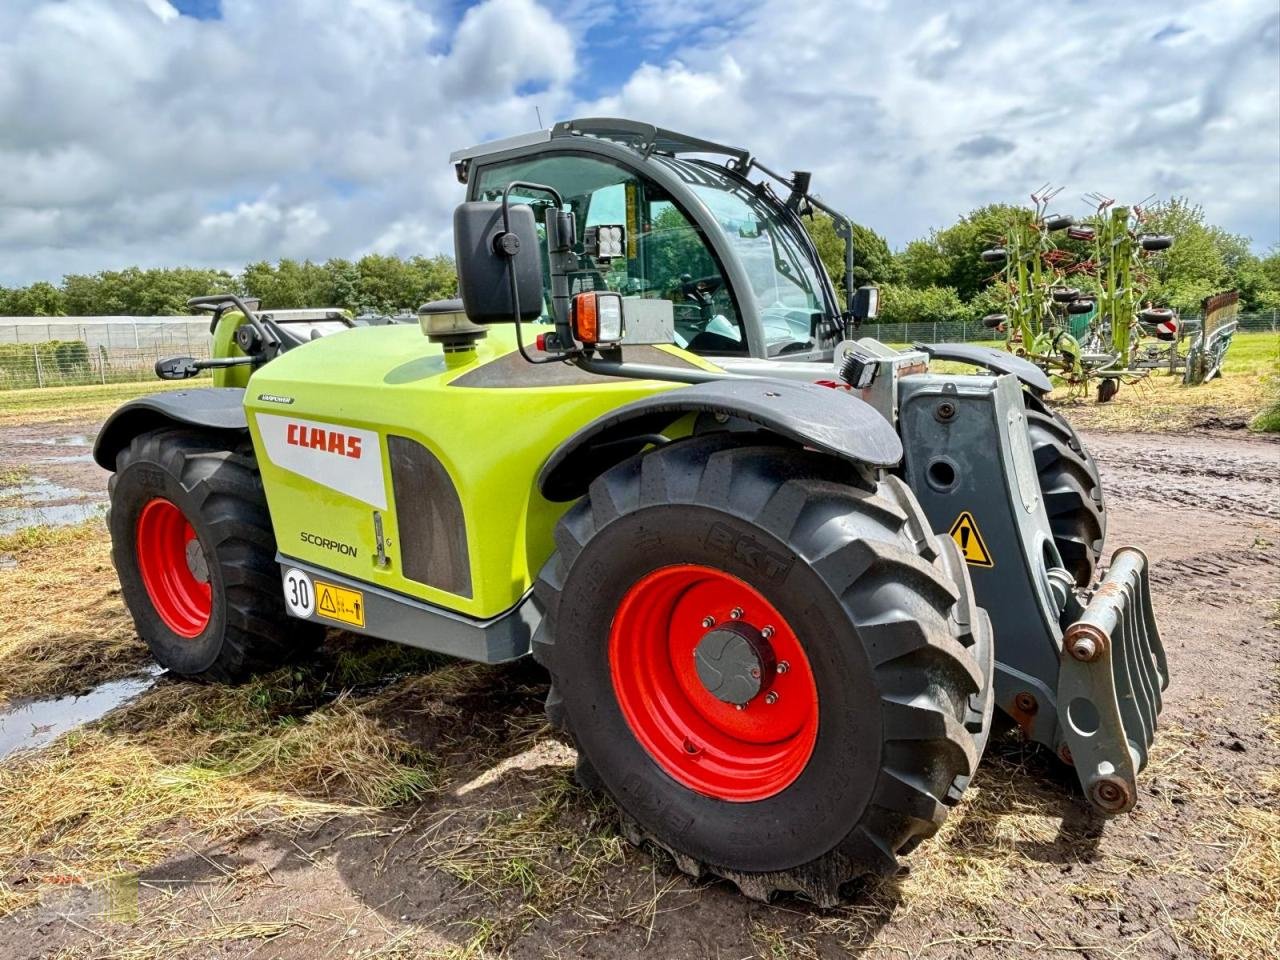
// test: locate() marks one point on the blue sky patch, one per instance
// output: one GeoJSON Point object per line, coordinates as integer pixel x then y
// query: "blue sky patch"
{"type": "Point", "coordinates": [199, 9]}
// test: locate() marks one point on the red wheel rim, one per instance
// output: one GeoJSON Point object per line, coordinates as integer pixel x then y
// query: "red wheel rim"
{"type": "Point", "coordinates": [713, 747]}
{"type": "Point", "coordinates": [167, 552]}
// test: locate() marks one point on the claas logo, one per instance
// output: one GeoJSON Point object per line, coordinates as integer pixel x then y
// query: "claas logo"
{"type": "Point", "coordinates": [330, 441]}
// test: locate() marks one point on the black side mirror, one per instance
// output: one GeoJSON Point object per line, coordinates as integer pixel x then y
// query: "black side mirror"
{"type": "Point", "coordinates": [489, 254]}
{"type": "Point", "coordinates": [866, 303]}
{"type": "Point", "coordinates": [176, 368]}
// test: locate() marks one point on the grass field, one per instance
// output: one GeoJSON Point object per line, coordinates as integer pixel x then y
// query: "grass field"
{"type": "Point", "coordinates": [68, 404]}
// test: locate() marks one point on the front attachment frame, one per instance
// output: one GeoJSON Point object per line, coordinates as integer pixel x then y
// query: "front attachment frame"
{"type": "Point", "coordinates": [1110, 683]}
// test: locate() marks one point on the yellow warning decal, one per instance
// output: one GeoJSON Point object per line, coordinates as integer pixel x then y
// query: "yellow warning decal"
{"type": "Point", "coordinates": [339, 603]}
{"type": "Point", "coordinates": [965, 533]}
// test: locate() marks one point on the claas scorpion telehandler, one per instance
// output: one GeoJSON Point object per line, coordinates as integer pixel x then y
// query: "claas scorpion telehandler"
{"type": "Point", "coordinates": [780, 576]}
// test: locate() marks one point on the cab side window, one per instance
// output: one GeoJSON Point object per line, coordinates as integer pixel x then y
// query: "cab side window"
{"type": "Point", "coordinates": [665, 255]}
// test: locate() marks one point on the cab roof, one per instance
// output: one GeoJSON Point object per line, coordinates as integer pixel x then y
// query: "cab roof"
{"type": "Point", "coordinates": [643, 138]}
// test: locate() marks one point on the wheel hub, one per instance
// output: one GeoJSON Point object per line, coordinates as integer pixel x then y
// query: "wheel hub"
{"type": "Point", "coordinates": [196, 562]}
{"type": "Point", "coordinates": [713, 682]}
{"type": "Point", "coordinates": [735, 663]}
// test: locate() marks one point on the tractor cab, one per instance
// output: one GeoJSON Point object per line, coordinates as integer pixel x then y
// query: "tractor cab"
{"type": "Point", "coordinates": [682, 221]}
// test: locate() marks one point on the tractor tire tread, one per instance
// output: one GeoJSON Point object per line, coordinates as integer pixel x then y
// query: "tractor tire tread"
{"type": "Point", "coordinates": [227, 489]}
{"type": "Point", "coordinates": [868, 540]}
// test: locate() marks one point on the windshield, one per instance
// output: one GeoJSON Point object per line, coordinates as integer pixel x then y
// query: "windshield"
{"type": "Point", "coordinates": [785, 282]}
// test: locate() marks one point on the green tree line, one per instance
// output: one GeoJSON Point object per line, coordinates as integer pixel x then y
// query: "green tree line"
{"type": "Point", "coordinates": [378, 283]}
{"type": "Point", "coordinates": [940, 277]}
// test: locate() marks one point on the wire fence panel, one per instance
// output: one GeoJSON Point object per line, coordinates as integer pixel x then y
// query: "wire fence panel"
{"type": "Point", "coordinates": [67, 351]}
{"type": "Point", "coordinates": [67, 363]}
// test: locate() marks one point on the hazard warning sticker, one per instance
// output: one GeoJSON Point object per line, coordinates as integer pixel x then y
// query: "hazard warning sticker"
{"type": "Point", "coordinates": [965, 533]}
{"type": "Point", "coordinates": [339, 603]}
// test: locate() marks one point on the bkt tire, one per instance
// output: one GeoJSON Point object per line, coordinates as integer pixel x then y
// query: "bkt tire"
{"type": "Point", "coordinates": [192, 543]}
{"type": "Point", "coordinates": [768, 661]}
{"type": "Point", "coordinates": [1071, 487]}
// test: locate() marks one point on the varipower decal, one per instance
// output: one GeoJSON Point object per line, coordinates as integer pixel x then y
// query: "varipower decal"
{"type": "Point", "coordinates": [342, 458]}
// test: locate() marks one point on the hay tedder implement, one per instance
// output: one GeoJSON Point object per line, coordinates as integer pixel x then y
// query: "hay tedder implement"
{"type": "Point", "coordinates": [1075, 300]}
{"type": "Point", "coordinates": [780, 576]}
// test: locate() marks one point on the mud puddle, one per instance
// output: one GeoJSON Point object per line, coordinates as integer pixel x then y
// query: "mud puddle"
{"type": "Point", "coordinates": [38, 501]}
{"type": "Point", "coordinates": [33, 724]}
{"type": "Point", "coordinates": [54, 480]}
{"type": "Point", "coordinates": [75, 458]}
{"type": "Point", "coordinates": [67, 440]}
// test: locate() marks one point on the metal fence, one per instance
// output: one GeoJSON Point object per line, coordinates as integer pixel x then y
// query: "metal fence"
{"type": "Point", "coordinates": [40, 352]}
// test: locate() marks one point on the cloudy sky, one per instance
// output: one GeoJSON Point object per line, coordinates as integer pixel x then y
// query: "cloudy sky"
{"type": "Point", "coordinates": [215, 132]}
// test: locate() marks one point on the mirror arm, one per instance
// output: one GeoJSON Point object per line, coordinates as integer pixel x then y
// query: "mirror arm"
{"type": "Point", "coordinates": [559, 296]}
{"type": "Point", "coordinates": [219, 362]}
{"type": "Point", "coordinates": [190, 369]}
{"type": "Point", "coordinates": [648, 371]}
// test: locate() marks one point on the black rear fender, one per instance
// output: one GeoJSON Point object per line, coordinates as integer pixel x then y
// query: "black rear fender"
{"type": "Point", "coordinates": [219, 409]}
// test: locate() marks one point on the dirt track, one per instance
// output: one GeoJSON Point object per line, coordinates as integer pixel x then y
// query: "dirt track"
{"type": "Point", "coordinates": [1022, 869]}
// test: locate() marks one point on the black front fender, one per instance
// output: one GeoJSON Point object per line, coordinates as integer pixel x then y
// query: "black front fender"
{"type": "Point", "coordinates": [213, 408]}
{"type": "Point", "coordinates": [832, 421]}
{"type": "Point", "coordinates": [998, 361]}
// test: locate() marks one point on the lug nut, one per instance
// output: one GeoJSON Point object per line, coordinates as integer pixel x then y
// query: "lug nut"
{"type": "Point", "coordinates": [771, 697]}
{"type": "Point", "coordinates": [735, 613]}
{"type": "Point", "coordinates": [708, 622]}
{"type": "Point", "coordinates": [741, 706]}
{"type": "Point", "coordinates": [767, 632]}
{"type": "Point", "coordinates": [783, 666]}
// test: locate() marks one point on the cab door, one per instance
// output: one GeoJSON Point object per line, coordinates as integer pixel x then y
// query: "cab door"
{"type": "Point", "coordinates": [666, 254]}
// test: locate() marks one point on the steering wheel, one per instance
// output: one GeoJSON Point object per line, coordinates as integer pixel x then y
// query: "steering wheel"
{"type": "Point", "coordinates": [701, 290]}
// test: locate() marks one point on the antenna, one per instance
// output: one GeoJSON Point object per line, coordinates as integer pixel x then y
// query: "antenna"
{"type": "Point", "coordinates": [539, 114]}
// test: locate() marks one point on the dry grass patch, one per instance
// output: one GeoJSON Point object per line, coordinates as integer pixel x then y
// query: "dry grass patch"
{"type": "Point", "coordinates": [1159, 403]}
{"type": "Point", "coordinates": [188, 765]}
{"type": "Point", "coordinates": [539, 846]}
{"type": "Point", "coordinates": [63, 627]}
{"type": "Point", "coordinates": [93, 806]}
{"type": "Point", "coordinates": [72, 404]}
{"type": "Point", "coordinates": [1240, 917]}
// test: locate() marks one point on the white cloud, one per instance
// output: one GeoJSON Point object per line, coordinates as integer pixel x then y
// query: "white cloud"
{"type": "Point", "coordinates": [311, 128]}
{"type": "Point", "coordinates": [909, 117]}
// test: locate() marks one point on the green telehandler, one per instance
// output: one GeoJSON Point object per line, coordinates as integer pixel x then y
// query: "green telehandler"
{"type": "Point", "coordinates": [780, 577]}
